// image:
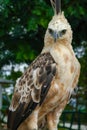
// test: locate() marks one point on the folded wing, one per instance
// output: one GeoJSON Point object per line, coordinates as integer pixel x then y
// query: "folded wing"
{"type": "Point", "coordinates": [31, 89]}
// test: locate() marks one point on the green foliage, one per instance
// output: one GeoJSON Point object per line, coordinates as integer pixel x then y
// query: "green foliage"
{"type": "Point", "coordinates": [23, 25]}
{"type": "Point", "coordinates": [14, 75]}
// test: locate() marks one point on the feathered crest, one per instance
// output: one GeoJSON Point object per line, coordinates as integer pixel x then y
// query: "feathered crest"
{"type": "Point", "coordinates": [56, 4]}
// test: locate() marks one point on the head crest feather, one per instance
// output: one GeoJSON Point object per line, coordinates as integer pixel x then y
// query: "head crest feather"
{"type": "Point", "coordinates": [56, 4]}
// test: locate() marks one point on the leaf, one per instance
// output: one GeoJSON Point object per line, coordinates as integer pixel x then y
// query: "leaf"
{"type": "Point", "coordinates": [2, 33]}
{"type": "Point", "coordinates": [32, 24]}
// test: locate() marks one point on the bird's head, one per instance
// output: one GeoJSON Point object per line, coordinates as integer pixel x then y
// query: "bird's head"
{"type": "Point", "coordinates": [58, 28]}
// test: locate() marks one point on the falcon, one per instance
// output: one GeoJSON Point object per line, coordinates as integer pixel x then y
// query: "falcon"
{"type": "Point", "coordinates": [42, 92]}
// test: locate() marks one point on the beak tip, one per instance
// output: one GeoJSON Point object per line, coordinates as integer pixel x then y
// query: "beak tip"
{"type": "Point", "coordinates": [56, 36]}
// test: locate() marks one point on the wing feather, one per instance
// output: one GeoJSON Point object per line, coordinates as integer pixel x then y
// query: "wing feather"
{"type": "Point", "coordinates": [31, 89]}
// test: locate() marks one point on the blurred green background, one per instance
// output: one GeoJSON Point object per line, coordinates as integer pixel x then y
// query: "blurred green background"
{"type": "Point", "coordinates": [22, 27]}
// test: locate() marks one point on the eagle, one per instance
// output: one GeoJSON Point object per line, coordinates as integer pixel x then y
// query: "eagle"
{"type": "Point", "coordinates": [42, 92]}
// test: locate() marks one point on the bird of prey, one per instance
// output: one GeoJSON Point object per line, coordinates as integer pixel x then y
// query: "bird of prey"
{"type": "Point", "coordinates": [42, 92]}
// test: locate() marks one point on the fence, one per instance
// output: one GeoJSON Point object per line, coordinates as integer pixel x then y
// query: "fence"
{"type": "Point", "coordinates": [3, 84]}
{"type": "Point", "coordinates": [76, 119]}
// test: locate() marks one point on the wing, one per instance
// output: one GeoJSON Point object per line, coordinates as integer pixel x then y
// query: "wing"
{"type": "Point", "coordinates": [31, 89]}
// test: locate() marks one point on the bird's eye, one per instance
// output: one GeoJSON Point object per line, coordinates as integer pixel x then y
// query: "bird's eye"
{"type": "Point", "coordinates": [50, 30]}
{"type": "Point", "coordinates": [63, 31]}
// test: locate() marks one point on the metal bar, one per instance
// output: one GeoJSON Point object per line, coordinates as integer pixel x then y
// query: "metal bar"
{"type": "Point", "coordinates": [4, 81]}
{"type": "Point", "coordinates": [79, 122]}
{"type": "Point", "coordinates": [0, 96]}
{"type": "Point", "coordinates": [0, 99]}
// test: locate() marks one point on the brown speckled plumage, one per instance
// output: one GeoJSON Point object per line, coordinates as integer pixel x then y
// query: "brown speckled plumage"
{"type": "Point", "coordinates": [43, 91]}
{"type": "Point", "coordinates": [32, 87]}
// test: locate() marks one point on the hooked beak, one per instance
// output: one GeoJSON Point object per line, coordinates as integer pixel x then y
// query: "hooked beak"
{"type": "Point", "coordinates": [56, 35]}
